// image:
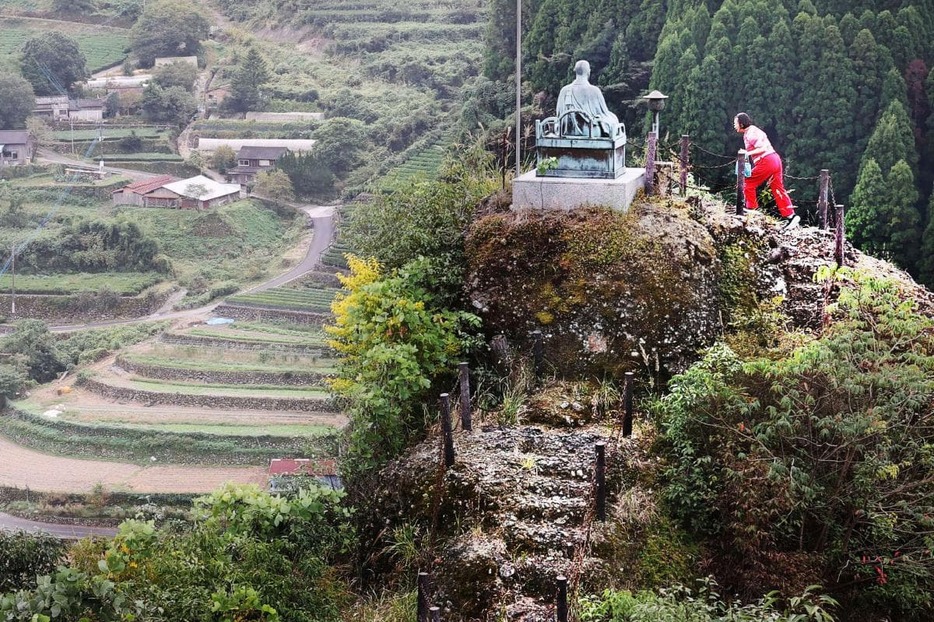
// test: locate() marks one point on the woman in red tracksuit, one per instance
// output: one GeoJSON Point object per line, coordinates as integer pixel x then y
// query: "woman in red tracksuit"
{"type": "Point", "coordinates": [767, 165]}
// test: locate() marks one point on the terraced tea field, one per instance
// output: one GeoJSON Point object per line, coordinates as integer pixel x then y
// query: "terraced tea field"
{"type": "Point", "coordinates": [102, 46]}
{"type": "Point", "coordinates": [206, 396]}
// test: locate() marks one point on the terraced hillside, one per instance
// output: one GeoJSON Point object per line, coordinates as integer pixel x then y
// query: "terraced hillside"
{"type": "Point", "coordinates": [204, 395]}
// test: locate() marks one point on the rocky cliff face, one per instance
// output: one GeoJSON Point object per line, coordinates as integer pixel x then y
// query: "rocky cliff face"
{"type": "Point", "coordinates": [642, 291]}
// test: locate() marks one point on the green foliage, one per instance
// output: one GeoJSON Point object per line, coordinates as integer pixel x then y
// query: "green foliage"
{"type": "Point", "coordinates": [18, 101]}
{"type": "Point", "coordinates": [425, 218]}
{"type": "Point", "coordinates": [51, 62]}
{"type": "Point", "coordinates": [69, 595]}
{"type": "Point", "coordinates": [247, 82]}
{"type": "Point", "coordinates": [23, 556]}
{"type": "Point", "coordinates": [171, 105]}
{"type": "Point", "coordinates": [823, 456]}
{"type": "Point", "coordinates": [41, 355]}
{"type": "Point", "coordinates": [885, 218]}
{"type": "Point", "coordinates": [395, 341]}
{"type": "Point", "coordinates": [94, 246]}
{"type": "Point", "coordinates": [250, 556]}
{"type": "Point", "coordinates": [14, 377]}
{"type": "Point", "coordinates": [681, 604]}
{"type": "Point", "coordinates": [308, 174]}
{"type": "Point", "coordinates": [274, 184]}
{"type": "Point", "coordinates": [168, 28]}
{"type": "Point", "coordinates": [78, 346]}
{"type": "Point", "coordinates": [223, 158]}
{"type": "Point", "coordinates": [178, 73]}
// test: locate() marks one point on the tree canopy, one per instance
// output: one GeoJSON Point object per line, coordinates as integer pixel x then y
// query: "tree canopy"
{"type": "Point", "coordinates": [247, 82]}
{"type": "Point", "coordinates": [18, 101]}
{"type": "Point", "coordinates": [168, 28]}
{"type": "Point", "coordinates": [52, 63]}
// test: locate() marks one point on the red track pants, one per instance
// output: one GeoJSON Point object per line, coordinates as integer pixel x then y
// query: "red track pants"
{"type": "Point", "coordinates": [768, 168]}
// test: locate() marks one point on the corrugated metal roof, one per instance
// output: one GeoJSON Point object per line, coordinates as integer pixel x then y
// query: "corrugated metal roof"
{"type": "Point", "coordinates": [191, 188]}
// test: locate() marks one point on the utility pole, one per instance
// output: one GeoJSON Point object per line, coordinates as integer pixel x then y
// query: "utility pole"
{"type": "Point", "coordinates": [13, 280]}
{"type": "Point", "coordinates": [518, 88]}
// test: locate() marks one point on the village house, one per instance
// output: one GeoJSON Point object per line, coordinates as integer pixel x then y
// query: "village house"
{"type": "Point", "coordinates": [197, 192]}
{"type": "Point", "coordinates": [252, 160]}
{"type": "Point", "coordinates": [17, 147]}
{"type": "Point", "coordinates": [61, 108]}
{"type": "Point", "coordinates": [137, 192]}
{"type": "Point", "coordinates": [54, 108]}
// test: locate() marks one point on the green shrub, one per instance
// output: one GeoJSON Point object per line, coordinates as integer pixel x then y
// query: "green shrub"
{"type": "Point", "coordinates": [23, 556]}
{"type": "Point", "coordinates": [395, 341]}
{"type": "Point", "coordinates": [817, 466]}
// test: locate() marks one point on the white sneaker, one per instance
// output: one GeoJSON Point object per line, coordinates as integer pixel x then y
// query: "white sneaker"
{"type": "Point", "coordinates": [791, 222]}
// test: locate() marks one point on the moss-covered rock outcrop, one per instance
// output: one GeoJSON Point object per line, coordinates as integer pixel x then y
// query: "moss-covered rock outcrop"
{"type": "Point", "coordinates": [610, 291]}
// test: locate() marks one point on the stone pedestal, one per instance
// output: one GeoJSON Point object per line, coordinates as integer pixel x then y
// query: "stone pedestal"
{"type": "Point", "coordinates": [563, 193]}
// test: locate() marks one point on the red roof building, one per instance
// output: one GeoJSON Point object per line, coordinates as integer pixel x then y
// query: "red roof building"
{"type": "Point", "coordinates": [132, 194]}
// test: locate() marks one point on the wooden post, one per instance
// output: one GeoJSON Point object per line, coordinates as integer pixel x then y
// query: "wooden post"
{"type": "Point", "coordinates": [600, 480]}
{"type": "Point", "coordinates": [650, 163]}
{"type": "Point", "coordinates": [822, 199]}
{"type": "Point", "coordinates": [434, 614]}
{"type": "Point", "coordinates": [740, 182]}
{"type": "Point", "coordinates": [422, 613]}
{"type": "Point", "coordinates": [562, 604]}
{"type": "Point", "coordinates": [447, 436]}
{"type": "Point", "coordinates": [685, 146]}
{"type": "Point", "coordinates": [839, 236]}
{"type": "Point", "coordinates": [463, 370]}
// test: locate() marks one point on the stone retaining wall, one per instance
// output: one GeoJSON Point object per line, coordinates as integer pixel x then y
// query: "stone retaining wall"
{"type": "Point", "coordinates": [84, 307]}
{"type": "Point", "coordinates": [233, 344]}
{"type": "Point", "coordinates": [265, 314]}
{"type": "Point", "coordinates": [160, 372]}
{"type": "Point", "coordinates": [208, 401]}
{"type": "Point", "coordinates": [137, 445]}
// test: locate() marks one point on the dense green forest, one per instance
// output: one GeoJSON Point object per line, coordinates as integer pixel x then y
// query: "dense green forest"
{"type": "Point", "coordinates": [843, 86]}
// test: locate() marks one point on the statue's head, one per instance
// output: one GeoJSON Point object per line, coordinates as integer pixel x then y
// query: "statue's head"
{"type": "Point", "coordinates": [582, 68]}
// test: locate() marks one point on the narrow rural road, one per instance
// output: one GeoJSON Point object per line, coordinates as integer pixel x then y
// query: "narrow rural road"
{"type": "Point", "coordinates": [63, 532]}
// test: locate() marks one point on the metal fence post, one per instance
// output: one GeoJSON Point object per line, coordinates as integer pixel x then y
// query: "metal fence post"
{"type": "Point", "coordinates": [740, 182]}
{"type": "Point", "coordinates": [562, 604]}
{"type": "Point", "coordinates": [422, 613]}
{"type": "Point", "coordinates": [839, 236]}
{"type": "Point", "coordinates": [601, 481]}
{"type": "Point", "coordinates": [685, 146]}
{"type": "Point", "coordinates": [822, 199]}
{"type": "Point", "coordinates": [650, 163]}
{"type": "Point", "coordinates": [466, 415]}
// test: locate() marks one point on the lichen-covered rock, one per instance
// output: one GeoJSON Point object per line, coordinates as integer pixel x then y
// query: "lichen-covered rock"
{"type": "Point", "coordinates": [610, 291]}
